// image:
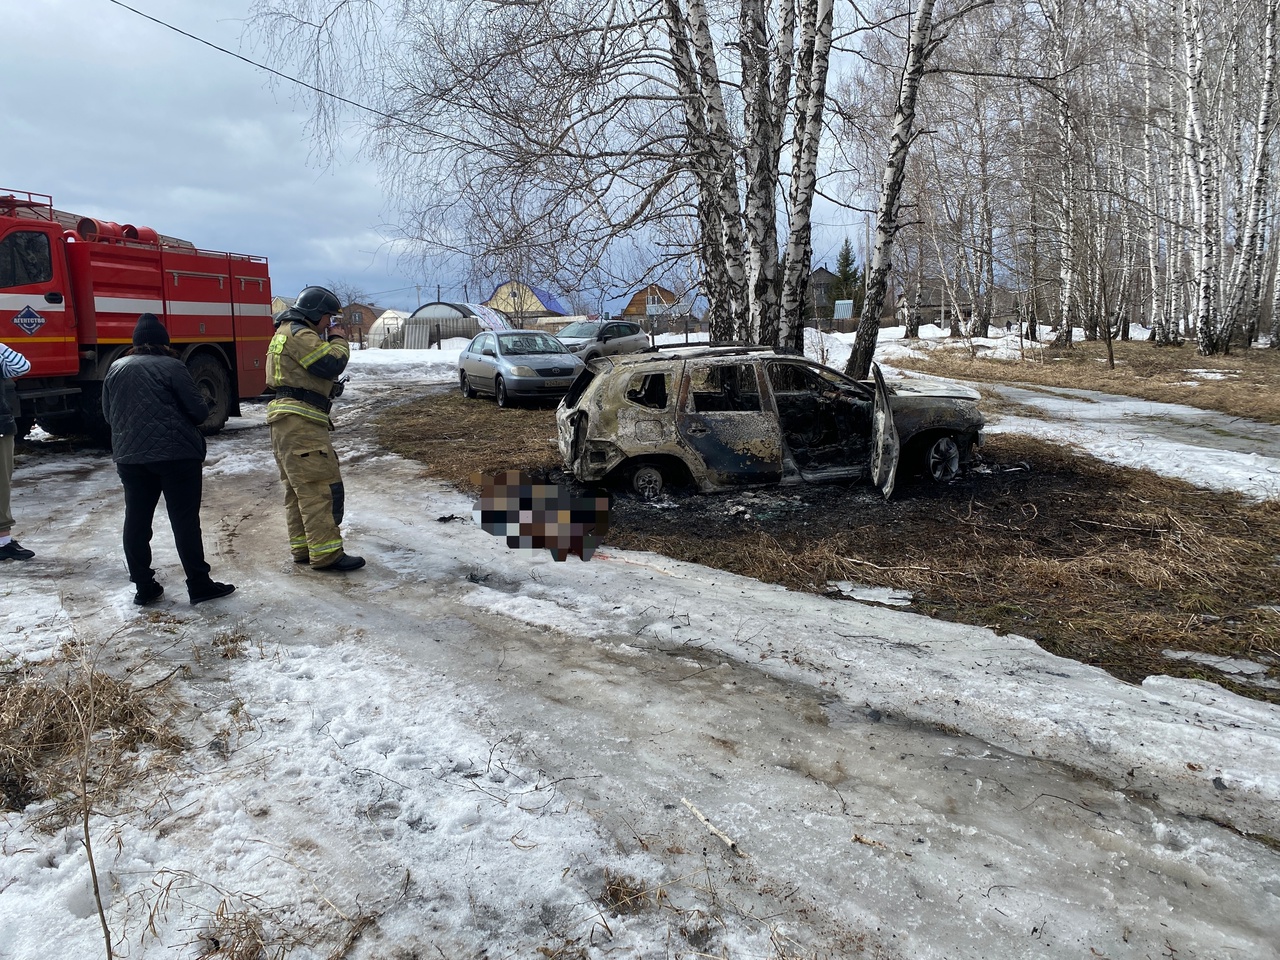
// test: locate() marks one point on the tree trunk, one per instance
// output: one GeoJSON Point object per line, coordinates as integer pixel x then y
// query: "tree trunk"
{"type": "Point", "coordinates": [811, 96]}
{"type": "Point", "coordinates": [919, 47]}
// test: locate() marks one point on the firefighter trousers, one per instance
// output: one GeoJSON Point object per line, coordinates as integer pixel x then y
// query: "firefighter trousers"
{"type": "Point", "coordinates": [313, 494]}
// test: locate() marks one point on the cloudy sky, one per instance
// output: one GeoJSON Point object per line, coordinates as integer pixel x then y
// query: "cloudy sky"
{"type": "Point", "coordinates": [119, 118]}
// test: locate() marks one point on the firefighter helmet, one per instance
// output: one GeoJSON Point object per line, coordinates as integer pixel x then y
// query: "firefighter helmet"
{"type": "Point", "coordinates": [315, 302]}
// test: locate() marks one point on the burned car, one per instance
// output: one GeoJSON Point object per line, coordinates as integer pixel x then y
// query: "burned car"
{"type": "Point", "coordinates": [721, 418]}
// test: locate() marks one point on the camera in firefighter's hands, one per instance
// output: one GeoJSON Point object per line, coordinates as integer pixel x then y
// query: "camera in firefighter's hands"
{"type": "Point", "coordinates": [338, 386]}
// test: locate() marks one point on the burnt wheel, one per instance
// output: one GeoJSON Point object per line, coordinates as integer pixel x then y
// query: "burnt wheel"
{"type": "Point", "coordinates": [647, 481]}
{"type": "Point", "coordinates": [214, 383]}
{"type": "Point", "coordinates": [942, 459]}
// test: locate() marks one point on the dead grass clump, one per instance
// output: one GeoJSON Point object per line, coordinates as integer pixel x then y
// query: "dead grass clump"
{"type": "Point", "coordinates": [230, 644]}
{"type": "Point", "coordinates": [454, 437]}
{"type": "Point", "coordinates": [51, 713]}
{"type": "Point", "coordinates": [624, 894]}
{"type": "Point", "coordinates": [236, 934]}
{"type": "Point", "coordinates": [1243, 383]}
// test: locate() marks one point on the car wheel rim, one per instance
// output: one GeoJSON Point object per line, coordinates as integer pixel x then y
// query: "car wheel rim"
{"type": "Point", "coordinates": [647, 482]}
{"type": "Point", "coordinates": [501, 391]}
{"type": "Point", "coordinates": [944, 459]}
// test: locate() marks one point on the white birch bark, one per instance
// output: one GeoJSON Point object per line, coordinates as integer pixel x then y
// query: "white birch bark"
{"type": "Point", "coordinates": [707, 119]}
{"type": "Point", "coordinates": [920, 45]}
{"type": "Point", "coordinates": [811, 97]}
{"type": "Point", "coordinates": [1204, 183]}
{"type": "Point", "coordinates": [1057, 15]}
{"type": "Point", "coordinates": [1245, 284]}
{"type": "Point", "coordinates": [761, 158]}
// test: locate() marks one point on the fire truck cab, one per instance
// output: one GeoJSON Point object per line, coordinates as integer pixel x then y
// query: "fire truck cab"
{"type": "Point", "coordinates": [72, 289]}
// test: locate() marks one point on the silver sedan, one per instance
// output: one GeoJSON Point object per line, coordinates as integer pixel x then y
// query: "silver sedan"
{"type": "Point", "coordinates": [517, 365]}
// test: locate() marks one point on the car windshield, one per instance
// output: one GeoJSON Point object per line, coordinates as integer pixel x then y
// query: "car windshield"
{"type": "Point", "coordinates": [522, 344]}
{"type": "Point", "coordinates": [583, 328]}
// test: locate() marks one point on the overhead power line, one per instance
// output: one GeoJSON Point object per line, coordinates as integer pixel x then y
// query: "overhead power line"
{"type": "Point", "coordinates": [263, 66]}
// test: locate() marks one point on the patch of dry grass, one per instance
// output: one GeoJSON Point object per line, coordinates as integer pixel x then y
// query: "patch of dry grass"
{"type": "Point", "coordinates": [453, 437]}
{"type": "Point", "coordinates": [50, 712]}
{"type": "Point", "coordinates": [1106, 565]}
{"type": "Point", "coordinates": [1245, 383]}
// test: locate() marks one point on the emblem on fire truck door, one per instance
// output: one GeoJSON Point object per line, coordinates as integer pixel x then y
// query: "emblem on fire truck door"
{"type": "Point", "coordinates": [28, 321]}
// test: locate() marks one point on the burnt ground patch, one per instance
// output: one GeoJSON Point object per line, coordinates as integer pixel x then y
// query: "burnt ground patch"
{"type": "Point", "coordinates": [1102, 564]}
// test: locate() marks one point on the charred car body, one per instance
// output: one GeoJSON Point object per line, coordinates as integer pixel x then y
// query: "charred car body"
{"type": "Point", "coordinates": [723, 418]}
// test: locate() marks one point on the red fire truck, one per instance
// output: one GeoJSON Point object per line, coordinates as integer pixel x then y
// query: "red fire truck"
{"type": "Point", "coordinates": [71, 291]}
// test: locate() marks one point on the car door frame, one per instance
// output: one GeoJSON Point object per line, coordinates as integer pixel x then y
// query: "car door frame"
{"type": "Point", "coordinates": [734, 448]}
{"type": "Point", "coordinates": [884, 455]}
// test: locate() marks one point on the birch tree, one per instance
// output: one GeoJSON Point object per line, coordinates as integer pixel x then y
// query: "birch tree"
{"type": "Point", "coordinates": [920, 45]}
{"type": "Point", "coordinates": [591, 137]}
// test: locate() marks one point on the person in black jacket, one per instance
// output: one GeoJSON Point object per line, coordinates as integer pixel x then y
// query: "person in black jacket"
{"type": "Point", "coordinates": [155, 408]}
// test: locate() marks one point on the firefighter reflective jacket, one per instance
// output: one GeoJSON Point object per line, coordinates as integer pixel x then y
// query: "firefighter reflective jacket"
{"type": "Point", "coordinates": [302, 366]}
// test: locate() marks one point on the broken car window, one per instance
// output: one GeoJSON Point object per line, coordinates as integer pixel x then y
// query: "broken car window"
{"type": "Point", "coordinates": [724, 388]}
{"type": "Point", "coordinates": [648, 390]}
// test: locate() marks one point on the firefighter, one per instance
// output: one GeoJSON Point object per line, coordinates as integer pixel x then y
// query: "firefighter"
{"type": "Point", "coordinates": [304, 361]}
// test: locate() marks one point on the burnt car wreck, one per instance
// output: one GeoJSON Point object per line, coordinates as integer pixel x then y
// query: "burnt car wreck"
{"type": "Point", "coordinates": [723, 418]}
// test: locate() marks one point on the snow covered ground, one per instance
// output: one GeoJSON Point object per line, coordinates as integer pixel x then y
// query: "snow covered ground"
{"type": "Point", "coordinates": [456, 751]}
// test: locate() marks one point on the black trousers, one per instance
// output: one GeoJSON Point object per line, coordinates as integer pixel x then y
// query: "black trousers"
{"type": "Point", "coordinates": [180, 482]}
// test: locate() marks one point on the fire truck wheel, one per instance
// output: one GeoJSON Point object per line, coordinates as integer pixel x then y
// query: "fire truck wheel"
{"type": "Point", "coordinates": [92, 421]}
{"type": "Point", "coordinates": [215, 384]}
{"type": "Point", "coordinates": [61, 424]}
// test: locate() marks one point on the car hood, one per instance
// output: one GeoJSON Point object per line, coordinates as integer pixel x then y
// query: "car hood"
{"type": "Point", "coordinates": [572, 342]}
{"type": "Point", "coordinates": [933, 388]}
{"type": "Point", "coordinates": [543, 359]}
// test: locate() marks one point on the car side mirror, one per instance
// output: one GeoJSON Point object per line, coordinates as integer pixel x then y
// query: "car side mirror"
{"type": "Point", "coordinates": [488, 352]}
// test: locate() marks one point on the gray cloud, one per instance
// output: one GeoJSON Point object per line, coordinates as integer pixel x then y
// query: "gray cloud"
{"type": "Point", "coordinates": [119, 118]}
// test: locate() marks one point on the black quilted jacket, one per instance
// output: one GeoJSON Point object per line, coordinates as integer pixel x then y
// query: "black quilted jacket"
{"type": "Point", "coordinates": [154, 408]}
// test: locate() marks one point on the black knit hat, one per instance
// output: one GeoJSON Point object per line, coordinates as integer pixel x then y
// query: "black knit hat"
{"type": "Point", "coordinates": [150, 331]}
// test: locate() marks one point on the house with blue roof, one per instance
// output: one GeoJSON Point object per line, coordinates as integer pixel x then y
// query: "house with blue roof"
{"type": "Point", "coordinates": [525, 305]}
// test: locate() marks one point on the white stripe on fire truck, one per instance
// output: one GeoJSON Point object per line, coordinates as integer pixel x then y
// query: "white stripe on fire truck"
{"type": "Point", "coordinates": [126, 305]}
{"type": "Point", "coordinates": [16, 301]}
{"type": "Point", "coordinates": [179, 308]}
{"type": "Point", "coordinates": [198, 308]}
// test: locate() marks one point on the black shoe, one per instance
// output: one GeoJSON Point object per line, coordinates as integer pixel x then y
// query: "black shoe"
{"type": "Point", "coordinates": [148, 593]}
{"type": "Point", "coordinates": [13, 550]}
{"type": "Point", "coordinates": [301, 559]}
{"type": "Point", "coordinates": [211, 591]}
{"type": "Point", "coordinates": [344, 564]}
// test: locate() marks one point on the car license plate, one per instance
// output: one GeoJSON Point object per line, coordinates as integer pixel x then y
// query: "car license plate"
{"type": "Point", "coordinates": [563, 382]}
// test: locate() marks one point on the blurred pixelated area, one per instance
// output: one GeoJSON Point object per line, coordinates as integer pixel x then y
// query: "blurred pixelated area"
{"type": "Point", "coordinates": [537, 515]}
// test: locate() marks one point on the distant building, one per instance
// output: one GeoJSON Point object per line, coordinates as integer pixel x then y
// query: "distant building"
{"type": "Point", "coordinates": [652, 300]}
{"type": "Point", "coordinates": [387, 331]}
{"type": "Point", "coordinates": [360, 318]}
{"type": "Point", "coordinates": [525, 305]}
{"type": "Point", "coordinates": [433, 323]}
{"type": "Point", "coordinates": [821, 285]}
